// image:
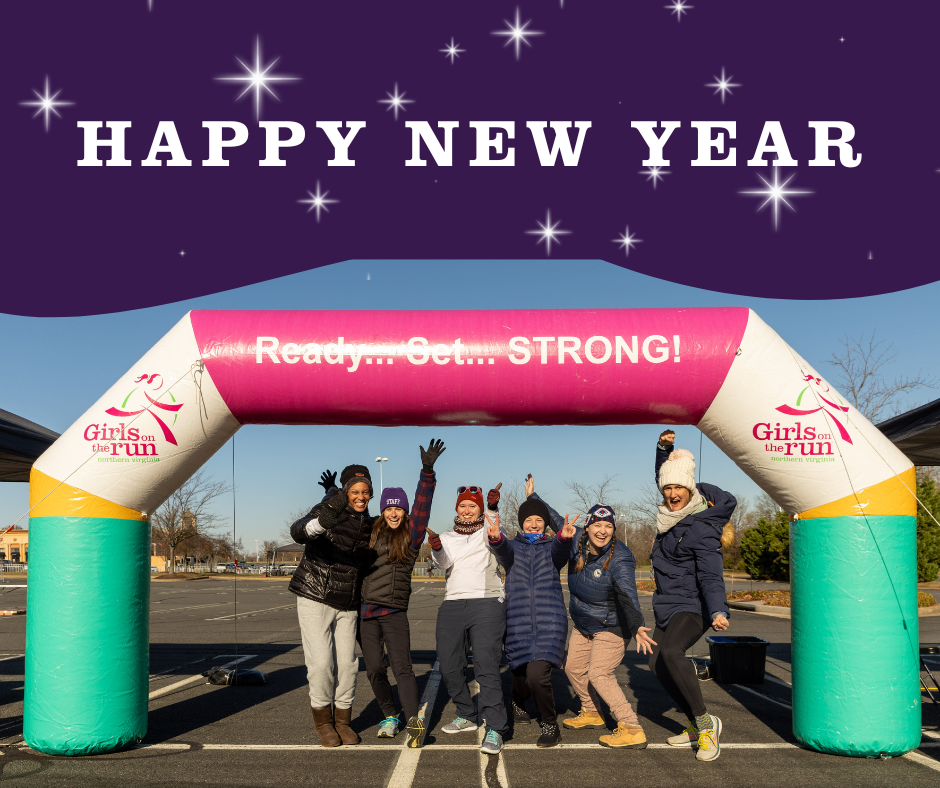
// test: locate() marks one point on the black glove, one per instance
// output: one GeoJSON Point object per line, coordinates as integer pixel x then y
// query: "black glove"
{"type": "Point", "coordinates": [429, 457]}
{"type": "Point", "coordinates": [327, 480]}
{"type": "Point", "coordinates": [333, 511]}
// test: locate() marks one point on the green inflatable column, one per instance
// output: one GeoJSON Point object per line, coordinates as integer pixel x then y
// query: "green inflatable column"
{"type": "Point", "coordinates": [87, 634]}
{"type": "Point", "coordinates": [856, 669]}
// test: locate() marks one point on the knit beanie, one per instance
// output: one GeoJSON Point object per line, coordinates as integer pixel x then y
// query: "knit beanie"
{"type": "Point", "coordinates": [477, 498]}
{"type": "Point", "coordinates": [353, 474]}
{"type": "Point", "coordinates": [678, 469]}
{"type": "Point", "coordinates": [600, 511]}
{"type": "Point", "coordinates": [532, 507]}
{"type": "Point", "coordinates": [393, 496]}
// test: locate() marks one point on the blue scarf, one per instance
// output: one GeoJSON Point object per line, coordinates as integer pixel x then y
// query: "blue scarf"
{"type": "Point", "coordinates": [531, 538]}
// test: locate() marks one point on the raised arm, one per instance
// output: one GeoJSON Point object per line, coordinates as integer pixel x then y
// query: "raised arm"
{"type": "Point", "coordinates": [667, 440]}
{"type": "Point", "coordinates": [500, 544]}
{"type": "Point", "coordinates": [427, 481]}
{"type": "Point", "coordinates": [564, 544]}
{"type": "Point", "coordinates": [325, 515]}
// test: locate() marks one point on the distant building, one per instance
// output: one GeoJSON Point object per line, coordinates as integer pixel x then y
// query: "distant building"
{"type": "Point", "coordinates": [14, 546]}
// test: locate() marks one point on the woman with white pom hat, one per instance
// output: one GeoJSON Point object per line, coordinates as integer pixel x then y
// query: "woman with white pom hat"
{"type": "Point", "coordinates": [690, 588]}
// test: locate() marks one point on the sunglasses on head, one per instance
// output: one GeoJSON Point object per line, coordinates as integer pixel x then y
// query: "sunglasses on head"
{"type": "Point", "coordinates": [471, 490]}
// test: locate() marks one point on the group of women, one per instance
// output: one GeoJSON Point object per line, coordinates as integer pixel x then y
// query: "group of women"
{"type": "Point", "coordinates": [355, 577]}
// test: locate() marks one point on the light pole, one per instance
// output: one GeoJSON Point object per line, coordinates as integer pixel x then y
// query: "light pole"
{"type": "Point", "coordinates": [380, 460]}
{"type": "Point", "coordinates": [256, 551]}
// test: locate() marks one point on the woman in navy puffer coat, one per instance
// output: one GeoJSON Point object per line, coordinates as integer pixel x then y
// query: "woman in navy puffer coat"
{"type": "Point", "coordinates": [690, 589]}
{"type": "Point", "coordinates": [536, 620]}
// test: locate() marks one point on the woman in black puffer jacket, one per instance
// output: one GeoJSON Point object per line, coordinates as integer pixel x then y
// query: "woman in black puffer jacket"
{"type": "Point", "coordinates": [335, 535]}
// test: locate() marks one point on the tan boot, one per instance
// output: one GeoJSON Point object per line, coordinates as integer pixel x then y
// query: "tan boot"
{"type": "Point", "coordinates": [585, 719]}
{"type": "Point", "coordinates": [629, 736]}
{"type": "Point", "coordinates": [341, 719]}
{"type": "Point", "coordinates": [323, 721]}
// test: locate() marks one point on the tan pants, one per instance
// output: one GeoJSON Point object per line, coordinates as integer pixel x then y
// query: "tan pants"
{"type": "Point", "coordinates": [590, 669]}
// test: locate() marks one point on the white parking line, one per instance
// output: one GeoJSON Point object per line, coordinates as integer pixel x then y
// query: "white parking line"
{"type": "Point", "coordinates": [190, 607]}
{"type": "Point", "coordinates": [406, 767]}
{"type": "Point", "coordinates": [166, 690]}
{"type": "Point", "coordinates": [923, 760]}
{"type": "Point", "coordinates": [250, 613]}
{"type": "Point", "coordinates": [762, 695]}
{"type": "Point", "coordinates": [488, 777]}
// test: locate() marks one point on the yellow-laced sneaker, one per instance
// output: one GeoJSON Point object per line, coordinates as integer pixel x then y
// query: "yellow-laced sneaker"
{"type": "Point", "coordinates": [585, 719]}
{"type": "Point", "coordinates": [629, 736]}
{"type": "Point", "coordinates": [687, 738]}
{"type": "Point", "coordinates": [708, 748]}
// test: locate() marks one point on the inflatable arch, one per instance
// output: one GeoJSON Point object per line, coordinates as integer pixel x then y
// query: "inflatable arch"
{"type": "Point", "coordinates": [723, 370]}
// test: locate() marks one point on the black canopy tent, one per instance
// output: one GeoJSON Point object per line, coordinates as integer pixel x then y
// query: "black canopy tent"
{"type": "Point", "coordinates": [21, 443]}
{"type": "Point", "coordinates": [916, 433]}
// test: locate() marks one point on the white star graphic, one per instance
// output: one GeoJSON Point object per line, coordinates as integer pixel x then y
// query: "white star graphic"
{"type": "Point", "coordinates": [396, 101]}
{"type": "Point", "coordinates": [257, 78]}
{"type": "Point", "coordinates": [452, 50]}
{"type": "Point", "coordinates": [627, 241]}
{"type": "Point", "coordinates": [548, 232]}
{"type": "Point", "coordinates": [518, 33]}
{"type": "Point", "coordinates": [776, 193]}
{"type": "Point", "coordinates": [723, 84]}
{"type": "Point", "coordinates": [47, 103]}
{"type": "Point", "coordinates": [318, 201]}
{"type": "Point", "coordinates": [654, 174]}
{"type": "Point", "coordinates": [679, 8]}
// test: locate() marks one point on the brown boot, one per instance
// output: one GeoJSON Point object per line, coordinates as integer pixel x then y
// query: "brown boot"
{"type": "Point", "coordinates": [323, 721]}
{"type": "Point", "coordinates": [341, 719]}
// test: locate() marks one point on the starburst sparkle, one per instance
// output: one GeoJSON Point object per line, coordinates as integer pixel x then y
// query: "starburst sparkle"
{"type": "Point", "coordinates": [318, 201]}
{"type": "Point", "coordinates": [776, 193]}
{"type": "Point", "coordinates": [517, 33]}
{"type": "Point", "coordinates": [627, 241]}
{"type": "Point", "coordinates": [258, 78]}
{"type": "Point", "coordinates": [654, 174]}
{"type": "Point", "coordinates": [679, 8]}
{"type": "Point", "coordinates": [396, 101]}
{"type": "Point", "coordinates": [47, 104]}
{"type": "Point", "coordinates": [723, 84]}
{"type": "Point", "coordinates": [452, 50]}
{"type": "Point", "coordinates": [548, 232]}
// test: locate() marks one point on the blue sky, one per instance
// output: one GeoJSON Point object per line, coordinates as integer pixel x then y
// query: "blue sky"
{"type": "Point", "coordinates": [53, 369]}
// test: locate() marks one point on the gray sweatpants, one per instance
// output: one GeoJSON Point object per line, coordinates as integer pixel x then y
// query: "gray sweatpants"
{"type": "Point", "coordinates": [329, 638]}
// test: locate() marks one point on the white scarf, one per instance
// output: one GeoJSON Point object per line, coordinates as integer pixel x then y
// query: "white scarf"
{"type": "Point", "coordinates": [666, 518]}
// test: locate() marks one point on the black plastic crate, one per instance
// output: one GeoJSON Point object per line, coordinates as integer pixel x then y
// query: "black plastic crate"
{"type": "Point", "coordinates": [737, 659]}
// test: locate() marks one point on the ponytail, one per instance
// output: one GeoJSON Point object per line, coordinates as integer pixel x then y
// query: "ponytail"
{"type": "Point", "coordinates": [610, 555]}
{"type": "Point", "coordinates": [727, 535]}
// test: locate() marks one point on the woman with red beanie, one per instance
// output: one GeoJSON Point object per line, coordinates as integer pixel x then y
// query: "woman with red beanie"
{"type": "Point", "coordinates": [386, 589]}
{"type": "Point", "coordinates": [473, 612]}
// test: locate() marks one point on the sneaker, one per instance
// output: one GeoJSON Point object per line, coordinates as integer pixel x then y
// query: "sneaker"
{"type": "Point", "coordinates": [551, 735]}
{"type": "Point", "coordinates": [708, 749]}
{"type": "Point", "coordinates": [687, 738]}
{"type": "Point", "coordinates": [519, 715]}
{"type": "Point", "coordinates": [459, 725]}
{"type": "Point", "coordinates": [388, 728]}
{"type": "Point", "coordinates": [415, 732]}
{"type": "Point", "coordinates": [492, 743]}
{"type": "Point", "coordinates": [585, 719]}
{"type": "Point", "coordinates": [631, 737]}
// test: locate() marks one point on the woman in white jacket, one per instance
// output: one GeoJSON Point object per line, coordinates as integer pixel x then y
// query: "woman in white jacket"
{"type": "Point", "coordinates": [474, 613]}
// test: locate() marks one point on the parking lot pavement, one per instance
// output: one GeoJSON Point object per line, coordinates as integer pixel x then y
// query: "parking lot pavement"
{"type": "Point", "coordinates": [209, 735]}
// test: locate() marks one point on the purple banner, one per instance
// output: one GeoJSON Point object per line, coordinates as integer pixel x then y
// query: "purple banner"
{"type": "Point", "coordinates": [800, 141]}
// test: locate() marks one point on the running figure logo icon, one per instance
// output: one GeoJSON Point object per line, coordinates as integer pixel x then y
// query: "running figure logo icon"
{"type": "Point", "coordinates": [151, 384]}
{"type": "Point", "coordinates": [836, 412]}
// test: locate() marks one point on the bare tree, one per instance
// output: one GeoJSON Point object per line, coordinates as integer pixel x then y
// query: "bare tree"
{"type": "Point", "coordinates": [187, 513]}
{"type": "Point", "coordinates": [860, 367]}
{"type": "Point", "coordinates": [511, 497]}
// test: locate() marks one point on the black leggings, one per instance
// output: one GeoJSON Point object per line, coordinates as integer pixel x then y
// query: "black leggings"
{"type": "Point", "coordinates": [389, 633]}
{"type": "Point", "coordinates": [534, 680]}
{"type": "Point", "coordinates": [673, 668]}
